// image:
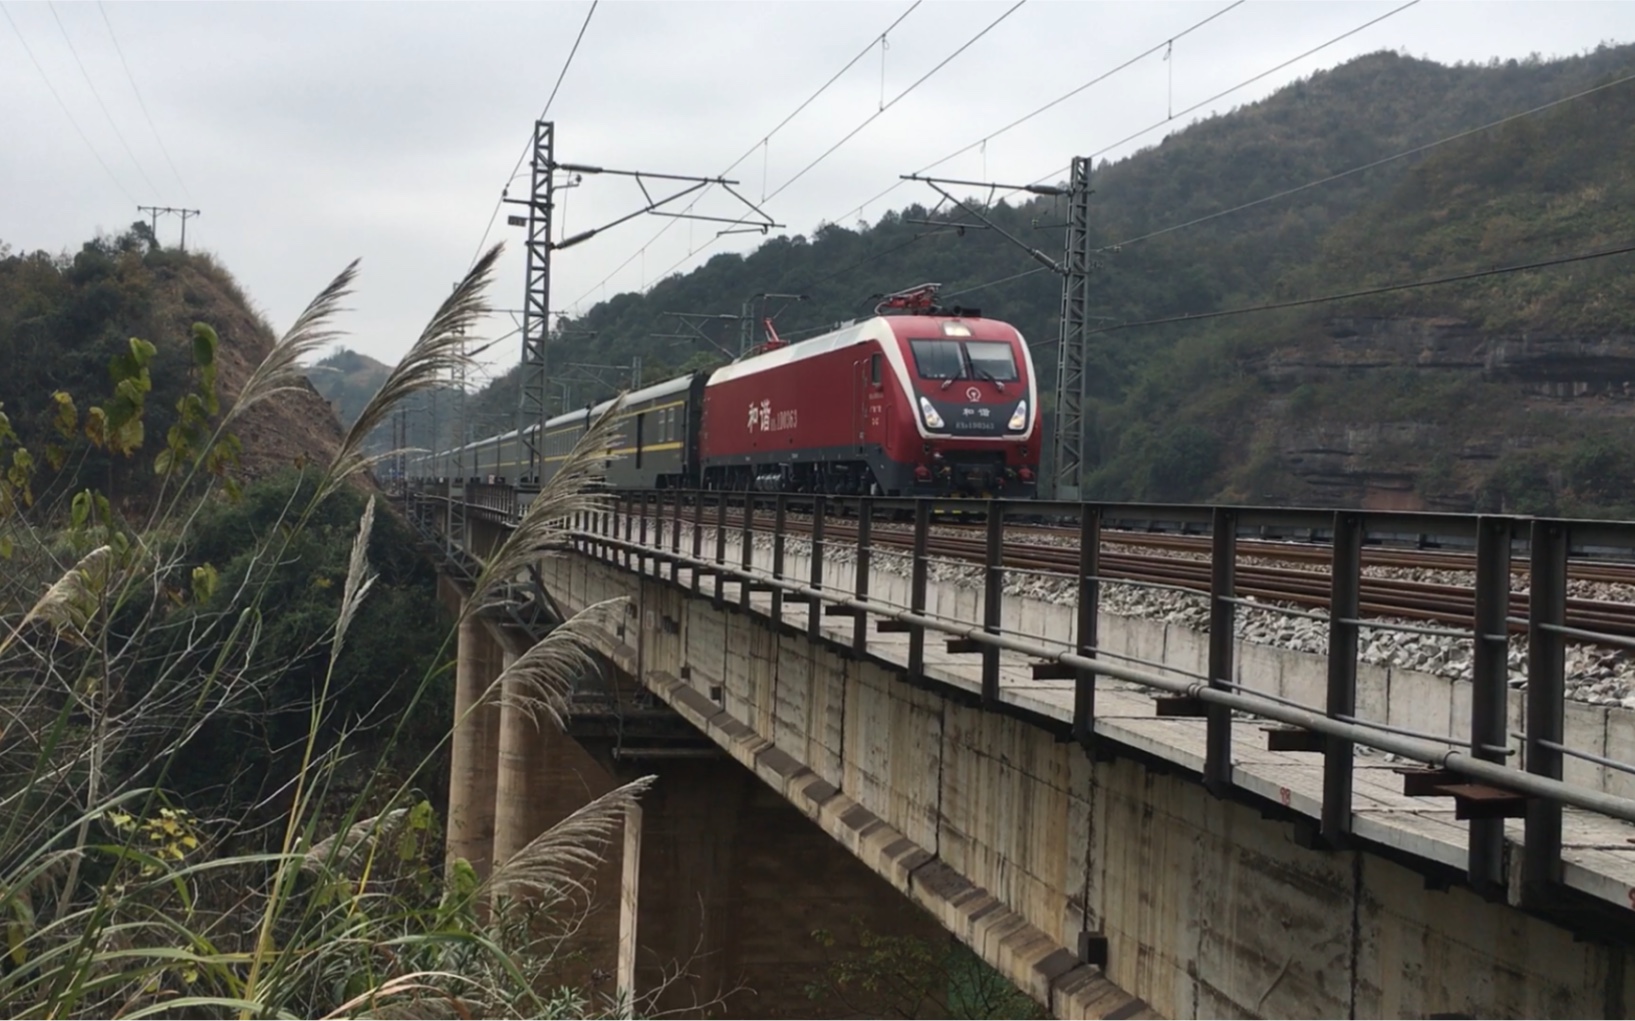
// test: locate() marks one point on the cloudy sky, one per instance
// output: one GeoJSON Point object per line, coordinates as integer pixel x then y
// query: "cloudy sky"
{"type": "Point", "coordinates": [308, 134]}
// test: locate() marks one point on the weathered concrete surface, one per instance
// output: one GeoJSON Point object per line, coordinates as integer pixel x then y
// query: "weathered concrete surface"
{"type": "Point", "coordinates": [1017, 842]}
{"type": "Point", "coordinates": [735, 885]}
{"type": "Point", "coordinates": [708, 903]}
{"type": "Point", "coordinates": [474, 749]}
{"type": "Point", "coordinates": [1396, 696]}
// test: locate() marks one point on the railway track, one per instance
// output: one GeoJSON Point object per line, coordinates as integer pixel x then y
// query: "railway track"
{"type": "Point", "coordinates": [1181, 562]}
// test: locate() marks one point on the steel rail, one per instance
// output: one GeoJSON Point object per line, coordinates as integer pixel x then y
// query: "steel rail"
{"type": "Point", "coordinates": [1384, 597]}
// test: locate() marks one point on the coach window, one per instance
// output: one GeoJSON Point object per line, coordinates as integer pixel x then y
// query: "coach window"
{"type": "Point", "coordinates": [874, 369]}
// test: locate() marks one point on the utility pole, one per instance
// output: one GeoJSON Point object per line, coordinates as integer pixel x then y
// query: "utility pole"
{"type": "Point", "coordinates": [1074, 269]}
{"type": "Point", "coordinates": [531, 407]}
{"type": "Point", "coordinates": [1071, 382]}
{"type": "Point", "coordinates": [185, 214]}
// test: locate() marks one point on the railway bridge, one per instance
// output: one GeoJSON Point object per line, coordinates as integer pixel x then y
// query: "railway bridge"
{"type": "Point", "coordinates": [867, 717]}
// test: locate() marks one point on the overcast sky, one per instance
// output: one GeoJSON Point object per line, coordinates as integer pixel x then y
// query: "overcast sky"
{"type": "Point", "coordinates": [308, 134]}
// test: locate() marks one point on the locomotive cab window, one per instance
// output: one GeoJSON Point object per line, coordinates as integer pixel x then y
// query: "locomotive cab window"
{"type": "Point", "coordinates": [972, 359]}
{"type": "Point", "coordinates": [938, 359]}
{"type": "Point", "coordinates": [991, 359]}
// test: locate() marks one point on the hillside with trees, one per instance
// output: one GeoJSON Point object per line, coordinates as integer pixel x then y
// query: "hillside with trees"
{"type": "Point", "coordinates": [1331, 185]}
{"type": "Point", "coordinates": [225, 678]}
{"type": "Point", "coordinates": [65, 317]}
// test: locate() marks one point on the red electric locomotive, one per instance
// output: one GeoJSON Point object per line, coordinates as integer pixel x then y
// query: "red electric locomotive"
{"type": "Point", "coordinates": [910, 402]}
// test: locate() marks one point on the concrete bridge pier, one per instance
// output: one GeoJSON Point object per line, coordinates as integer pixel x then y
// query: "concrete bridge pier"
{"type": "Point", "coordinates": [474, 749]}
{"type": "Point", "coordinates": [712, 899]}
{"type": "Point", "coordinates": [728, 892]}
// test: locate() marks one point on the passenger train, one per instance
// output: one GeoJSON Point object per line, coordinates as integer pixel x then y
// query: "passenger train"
{"type": "Point", "coordinates": [913, 401]}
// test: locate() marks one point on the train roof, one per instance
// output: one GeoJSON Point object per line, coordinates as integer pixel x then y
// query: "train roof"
{"type": "Point", "coordinates": [873, 328]}
{"type": "Point", "coordinates": [646, 395]}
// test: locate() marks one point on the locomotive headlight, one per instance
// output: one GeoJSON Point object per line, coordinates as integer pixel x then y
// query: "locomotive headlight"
{"type": "Point", "coordinates": [932, 419]}
{"type": "Point", "coordinates": [1019, 418]}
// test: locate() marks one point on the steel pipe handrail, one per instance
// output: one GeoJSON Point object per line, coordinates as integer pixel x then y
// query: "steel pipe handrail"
{"type": "Point", "coordinates": [1454, 761]}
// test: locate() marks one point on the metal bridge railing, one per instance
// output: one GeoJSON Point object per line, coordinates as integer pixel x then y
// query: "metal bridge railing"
{"type": "Point", "coordinates": [664, 533]}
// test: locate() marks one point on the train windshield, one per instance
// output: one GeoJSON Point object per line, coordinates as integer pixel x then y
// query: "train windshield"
{"type": "Point", "coordinates": [938, 359]}
{"type": "Point", "coordinates": [991, 359]}
{"type": "Point", "coordinates": [972, 359]}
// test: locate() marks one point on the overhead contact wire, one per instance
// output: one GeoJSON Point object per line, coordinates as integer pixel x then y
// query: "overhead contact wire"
{"type": "Point", "coordinates": [524, 155]}
{"type": "Point", "coordinates": [1018, 122]}
{"type": "Point", "coordinates": [867, 121]}
{"type": "Point", "coordinates": [865, 51]}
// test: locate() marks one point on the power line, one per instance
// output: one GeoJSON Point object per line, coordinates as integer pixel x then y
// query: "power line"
{"type": "Point", "coordinates": [1370, 291]}
{"type": "Point", "coordinates": [524, 155]}
{"type": "Point", "coordinates": [1153, 127]}
{"type": "Point", "coordinates": [64, 106]}
{"type": "Point", "coordinates": [870, 119]}
{"type": "Point", "coordinates": [1053, 103]}
{"type": "Point", "coordinates": [867, 121]}
{"type": "Point", "coordinates": [564, 72]}
{"type": "Point", "coordinates": [994, 134]}
{"type": "Point", "coordinates": [873, 42]}
{"type": "Point", "coordinates": [1416, 150]}
{"type": "Point", "coordinates": [98, 97]}
{"type": "Point", "coordinates": [139, 102]}
{"type": "Point", "coordinates": [996, 283]}
{"type": "Point", "coordinates": [1240, 85]}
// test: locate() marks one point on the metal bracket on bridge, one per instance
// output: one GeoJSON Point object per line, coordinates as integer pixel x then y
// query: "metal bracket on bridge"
{"type": "Point", "coordinates": [1294, 739]}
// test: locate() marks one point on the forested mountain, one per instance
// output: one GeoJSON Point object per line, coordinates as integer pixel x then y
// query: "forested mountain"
{"type": "Point", "coordinates": [64, 318]}
{"type": "Point", "coordinates": [1504, 393]}
{"type": "Point", "coordinates": [429, 420]}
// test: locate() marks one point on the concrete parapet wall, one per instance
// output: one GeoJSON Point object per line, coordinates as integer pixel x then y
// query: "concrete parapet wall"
{"type": "Point", "coordinates": [1395, 696]}
{"type": "Point", "coordinates": [1017, 841]}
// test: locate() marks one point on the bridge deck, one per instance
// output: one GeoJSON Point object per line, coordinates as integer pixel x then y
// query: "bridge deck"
{"type": "Point", "coordinates": [1598, 853]}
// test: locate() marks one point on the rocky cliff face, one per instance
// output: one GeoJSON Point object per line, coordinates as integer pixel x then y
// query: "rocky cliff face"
{"type": "Point", "coordinates": [1414, 413]}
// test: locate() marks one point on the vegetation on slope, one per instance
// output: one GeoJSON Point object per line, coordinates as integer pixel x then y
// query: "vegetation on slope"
{"type": "Point", "coordinates": [219, 643]}
{"type": "Point", "coordinates": [1208, 409]}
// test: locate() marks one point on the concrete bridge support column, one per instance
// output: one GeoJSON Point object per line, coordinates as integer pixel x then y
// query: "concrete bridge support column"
{"type": "Point", "coordinates": [733, 886]}
{"type": "Point", "coordinates": [474, 751]}
{"type": "Point", "coordinates": [544, 777]}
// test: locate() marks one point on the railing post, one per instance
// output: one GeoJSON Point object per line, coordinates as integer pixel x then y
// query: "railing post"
{"type": "Point", "coordinates": [629, 526]}
{"type": "Point", "coordinates": [993, 591]}
{"type": "Point", "coordinates": [698, 537]}
{"type": "Point", "coordinates": [1084, 681]}
{"type": "Point", "coordinates": [860, 620]}
{"type": "Point", "coordinates": [675, 533]}
{"type": "Point", "coordinates": [1344, 603]}
{"type": "Point", "coordinates": [1490, 685]}
{"type": "Point", "coordinates": [656, 500]}
{"type": "Point", "coordinates": [1546, 691]}
{"type": "Point", "coordinates": [641, 535]}
{"type": "Point", "coordinates": [814, 620]}
{"type": "Point", "coordinates": [780, 518]}
{"type": "Point", "coordinates": [720, 543]}
{"type": "Point", "coordinates": [1222, 615]}
{"type": "Point", "coordinates": [746, 548]}
{"type": "Point", "coordinates": [916, 590]}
